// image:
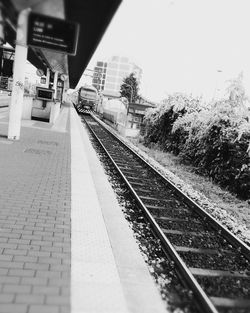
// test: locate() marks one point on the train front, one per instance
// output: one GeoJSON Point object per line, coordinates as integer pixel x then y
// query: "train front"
{"type": "Point", "coordinates": [88, 97]}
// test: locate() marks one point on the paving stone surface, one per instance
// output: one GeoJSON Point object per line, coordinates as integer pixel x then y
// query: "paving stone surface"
{"type": "Point", "coordinates": [35, 221]}
{"type": "Point", "coordinates": [52, 258]}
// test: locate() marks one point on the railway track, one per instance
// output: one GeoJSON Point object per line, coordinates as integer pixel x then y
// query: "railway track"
{"type": "Point", "coordinates": [209, 259]}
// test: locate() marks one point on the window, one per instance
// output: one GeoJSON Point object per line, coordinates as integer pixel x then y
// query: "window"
{"type": "Point", "coordinates": [109, 86]}
{"type": "Point", "coordinates": [98, 69]}
{"type": "Point", "coordinates": [124, 67]}
{"type": "Point", "coordinates": [113, 65]}
{"type": "Point", "coordinates": [122, 74]}
{"type": "Point", "coordinates": [119, 80]}
{"type": "Point", "coordinates": [100, 64]}
{"type": "Point", "coordinates": [97, 75]}
{"type": "Point", "coordinates": [111, 73]}
{"type": "Point", "coordinates": [124, 60]}
{"type": "Point", "coordinates": [110, 79]}
{"type": "Point", "coordinates": [115, 58]}
{"type": "Point", "coordinates": [96, 80]}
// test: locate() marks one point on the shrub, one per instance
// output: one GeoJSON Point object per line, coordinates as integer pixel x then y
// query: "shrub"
{"type": "Point", "coordinates": [214, 137]}
{"type": "Point", "coordinates": [159, 121]}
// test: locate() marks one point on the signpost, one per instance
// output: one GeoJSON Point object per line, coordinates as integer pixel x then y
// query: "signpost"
{"type": "Point", "coordinates": [52, 33]}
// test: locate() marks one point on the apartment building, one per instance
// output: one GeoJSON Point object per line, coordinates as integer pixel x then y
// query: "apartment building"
{"type": "Point", "coordinates": [108, 76]}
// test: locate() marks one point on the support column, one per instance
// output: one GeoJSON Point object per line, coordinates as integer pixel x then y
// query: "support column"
{"type": "Point", "coordinates": [55, 106]}
{"type": "Point", "coordinates": [16, 104]}
{"type": "Point", "coordinates": [47, 77]}
{"type": "Point", "coordinates": [55, 84]}
{"type": "Point", "coordinates": [1, 60]}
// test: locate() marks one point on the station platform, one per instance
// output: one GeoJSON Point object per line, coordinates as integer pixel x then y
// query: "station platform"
{"type": "Point", "coordinates": [65, 245]}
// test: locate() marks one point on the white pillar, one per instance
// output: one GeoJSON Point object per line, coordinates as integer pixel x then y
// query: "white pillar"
{"type": "Point", "coordinates": [65, 88]}
{"type": "Point", "coordinates": [16, 104]}
{"type": "Point", "coordinates": [47, 77]}
{"type": "Point", "coordinates": [55, 84]}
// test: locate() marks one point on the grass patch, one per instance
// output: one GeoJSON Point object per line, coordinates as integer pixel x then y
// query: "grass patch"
{"type": "Point", "coordinates": [220, 197]}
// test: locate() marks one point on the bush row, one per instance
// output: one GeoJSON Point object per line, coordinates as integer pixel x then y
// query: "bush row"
{"type": "Point", "coordinates": [213, 137]}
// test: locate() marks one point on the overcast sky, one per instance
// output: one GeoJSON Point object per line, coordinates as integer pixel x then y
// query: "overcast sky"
{"type": "Point", "coordinates": [181, 45]}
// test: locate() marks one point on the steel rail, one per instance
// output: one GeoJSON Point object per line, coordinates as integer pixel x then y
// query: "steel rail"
{"type": "Point", "coordinates": [236, 242]}
{"type": "Point", "coordinates": [203, 300]}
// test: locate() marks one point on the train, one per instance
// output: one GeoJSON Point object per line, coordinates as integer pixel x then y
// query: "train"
{"type": "Point", "coordinates": [86, 99]}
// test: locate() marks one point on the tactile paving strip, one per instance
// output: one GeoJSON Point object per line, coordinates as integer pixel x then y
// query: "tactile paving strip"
{"type": "Point", "coordinates": [95, 283]}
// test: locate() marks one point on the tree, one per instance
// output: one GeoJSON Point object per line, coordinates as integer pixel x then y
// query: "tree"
{"type": "Point", "coordinates": [236, 91]}
{"type": "Point", "coordinates": [129, 88]}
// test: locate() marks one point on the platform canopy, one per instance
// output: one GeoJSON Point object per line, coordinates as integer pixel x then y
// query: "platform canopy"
{"type": "Point", "coordinates": [93, 17]}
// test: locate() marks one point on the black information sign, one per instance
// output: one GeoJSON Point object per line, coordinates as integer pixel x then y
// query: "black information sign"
{"type": "Point", "coordinates": [52, 33]}
{"type": "Point", "coordinates": [42, 80]}
{"type": "Point", "coordinates": [3, 82]}
{"type": "Point", "coordinates": [44, 93]}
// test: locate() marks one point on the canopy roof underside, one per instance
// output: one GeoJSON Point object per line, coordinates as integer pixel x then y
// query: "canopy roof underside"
{"type": "Point", "coordinates": [93, 17]}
